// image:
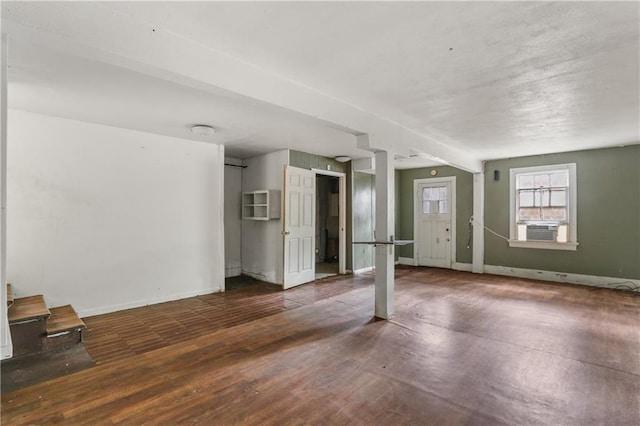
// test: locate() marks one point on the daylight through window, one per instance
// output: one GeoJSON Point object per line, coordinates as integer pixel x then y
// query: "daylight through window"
{"type": "Point", "coordinates": [543, 210]}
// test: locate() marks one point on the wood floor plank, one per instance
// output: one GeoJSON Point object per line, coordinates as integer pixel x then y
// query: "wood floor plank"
{"type": "Point", "coordinates": [461, 349]}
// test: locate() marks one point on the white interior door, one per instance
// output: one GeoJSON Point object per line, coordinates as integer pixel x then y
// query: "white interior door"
{"type": "Point", "coordinates": [299, 226]}
{"type": "Point", "coordinates": [434, 205]}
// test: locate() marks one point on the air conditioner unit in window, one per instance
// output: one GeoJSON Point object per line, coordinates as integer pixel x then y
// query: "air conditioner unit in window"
{"type": "Point", "coordinates": [542, 232]}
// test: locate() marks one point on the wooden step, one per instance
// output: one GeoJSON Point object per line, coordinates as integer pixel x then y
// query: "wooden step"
{"type": "Point", "coordinates": [64, 329]}
{"type": "Point", "coordinates": [28, 324]}
{"type": "Point", "coordinates": [9, 295]}
{"type": "Point", "coordinates": [28, 309]}
{"type": "Point", "coordinates": [63, 318]}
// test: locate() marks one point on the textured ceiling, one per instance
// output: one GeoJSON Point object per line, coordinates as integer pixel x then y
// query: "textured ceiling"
{"type": "Point", "coordinates": [496, 80]}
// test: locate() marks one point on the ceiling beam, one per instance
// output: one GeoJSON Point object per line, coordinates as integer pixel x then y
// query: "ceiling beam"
{"type": "Point", "coordinates": [149, 49]}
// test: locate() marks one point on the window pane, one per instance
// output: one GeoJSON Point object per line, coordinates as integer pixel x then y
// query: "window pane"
{"type": "Point", "coordinates": [536, 198]}
{"type": "Point", "coordinates": [442, 206]}
{"type": "Point", "coordinates": [426, 207]}
{"type": "Point", "coordinates": [555, 214]}
{"type": "Point", "coordinates": [525, 181]}
{"type": "Point", "coordinates": [526, 198]}
{"type": "Point", "coordinates": [442, 193]}
{"type": "Point", "coordinates": [559, 197]}
{"type": "Point", "coordinates": [541, 180]}
{"type": "Point", "coordinates": [434, 194]}
{"type": "Point", "coordinates": [544, 194]}
{"type": "Point", "coordinates": [529, 213]}
{"type": "Point", "coordinates": [560, 178]}
{"type": "Point", "coordinates": [426, 194]}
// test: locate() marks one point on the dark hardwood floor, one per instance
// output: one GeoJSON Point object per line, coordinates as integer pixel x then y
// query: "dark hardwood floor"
{"type": "Point", "coordinates": [461, 349]}
{"type": "Point", "coordinates": [120, 335]}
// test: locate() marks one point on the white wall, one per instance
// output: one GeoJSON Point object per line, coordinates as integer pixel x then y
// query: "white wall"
{"type": "Point", "coordinates": [106, 218]}
{"type": "Point", "coordinates": [262, 247]}
{"type": "Point", "coordinates": [232, 218]}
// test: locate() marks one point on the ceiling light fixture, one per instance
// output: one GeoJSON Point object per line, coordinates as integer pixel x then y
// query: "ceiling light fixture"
{"type": "Point", "coordinates": [342, 158]}
{"type": "Point", "coordinates": [203, 130]}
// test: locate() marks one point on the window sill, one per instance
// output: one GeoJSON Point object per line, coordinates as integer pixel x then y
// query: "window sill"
{"type": "Point", "coordinates": [543, 245]}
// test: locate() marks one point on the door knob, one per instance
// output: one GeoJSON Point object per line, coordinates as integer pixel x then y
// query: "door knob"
{"type": "Point", "coordinates": [285, 232]}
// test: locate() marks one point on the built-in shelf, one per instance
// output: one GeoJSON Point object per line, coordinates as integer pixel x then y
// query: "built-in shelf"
{"type": "Point", "coordinates": [261, 205]}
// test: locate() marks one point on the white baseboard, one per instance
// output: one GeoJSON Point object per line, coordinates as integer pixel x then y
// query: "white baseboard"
{"type": "Point", "coordinates": [138, 303]}
{"type": "Point", "coordinates": [363, 270]}
{"type": "Point", "coordinates": [560, 277]}
{"type": "Point", "coordinates": [466, 267]}
{"type": "Point", "coordinates": [410, 261]}
{"type": "Point", "coordinates": [7, 351]}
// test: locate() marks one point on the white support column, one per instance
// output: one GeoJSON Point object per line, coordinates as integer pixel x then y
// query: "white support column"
{"type": "Point", "coordinates": [478, 224]}
{"type": "Point", "coordinates": [385, 225]}
{"type": "Point", "coordinates": [5, 336]}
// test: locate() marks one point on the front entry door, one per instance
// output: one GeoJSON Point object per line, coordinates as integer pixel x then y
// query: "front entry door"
{"type": "Point", "coordinates": [299, 226]}
{"type": "Point", "coordinates": [433, 213]}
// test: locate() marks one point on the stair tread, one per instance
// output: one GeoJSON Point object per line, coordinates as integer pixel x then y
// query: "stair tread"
{"type": "Point", "coordinates": [28, 308]}
{"type": "Point", "coordinates": [63, 318]}
{"type": "Point", "coordinates": [9, 295]}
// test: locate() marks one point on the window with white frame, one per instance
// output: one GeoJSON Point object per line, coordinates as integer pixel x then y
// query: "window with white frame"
{"type": "Point", "coordinates": [434, 200]}
{"type": "Point", "coordinates": [543, 207]}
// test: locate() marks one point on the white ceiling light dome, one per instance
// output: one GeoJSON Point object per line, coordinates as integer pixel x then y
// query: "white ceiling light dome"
{"type": "Point", "coordinates": [203, 130]}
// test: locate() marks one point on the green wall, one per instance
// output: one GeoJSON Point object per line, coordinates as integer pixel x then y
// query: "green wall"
{"type": "Point", "coordinates": [396, 191]}
{"type": "Point", "coordinates": [364, 200]}
{"type": "Point", "coordinates": [608, 184]}
{"type": "Point", "coordinates": [307, 161]}
{"type": "Point", "coordinates": [405, 207]}
{"type": "Point", "coordinates": [348, 231]}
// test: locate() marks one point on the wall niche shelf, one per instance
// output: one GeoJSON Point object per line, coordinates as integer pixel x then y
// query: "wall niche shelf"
{"type": "Point", "coordinates": [261, 205]}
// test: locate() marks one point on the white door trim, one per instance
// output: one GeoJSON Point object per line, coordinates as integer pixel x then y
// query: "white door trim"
{"type": "Point", "coordinates": [342, 216]}
{"type": "Point", "coordinates": [416, 183]}
{"type": "Point", "coordinates": [477, 257]}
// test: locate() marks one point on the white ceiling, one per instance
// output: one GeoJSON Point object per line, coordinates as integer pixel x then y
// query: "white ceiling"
{"type": "Point", "coordinates": [490, 80]}
{"type": "Point", "coordinates": [68, 86]}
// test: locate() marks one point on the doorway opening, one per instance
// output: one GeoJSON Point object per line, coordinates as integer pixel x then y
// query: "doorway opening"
{"type": "Point", "coordinates": [327, 254]}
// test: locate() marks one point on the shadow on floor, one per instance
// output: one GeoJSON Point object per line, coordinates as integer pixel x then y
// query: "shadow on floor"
{"type": "Point", "coordinates": [18, 373]}
{"type": "Point", "coordinates": [245, 281]}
